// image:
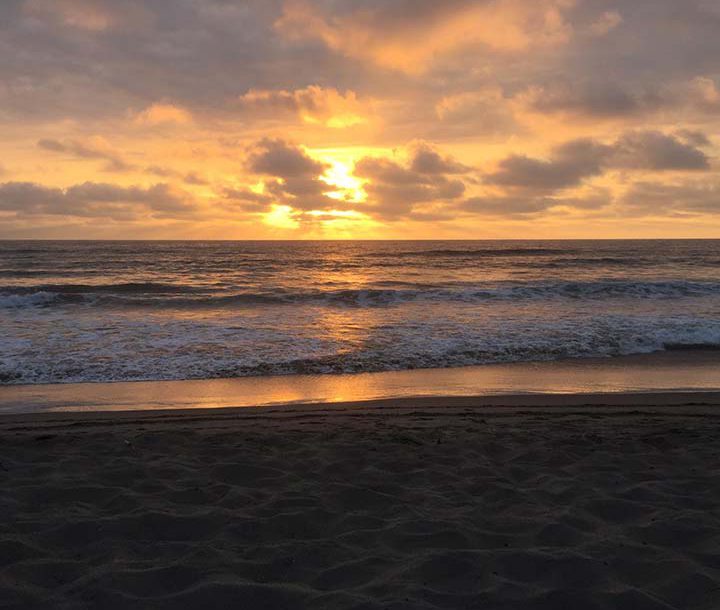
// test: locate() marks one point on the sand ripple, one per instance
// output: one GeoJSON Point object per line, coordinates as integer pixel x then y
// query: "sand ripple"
{"type": "Point", "coordinates": [373, 509]}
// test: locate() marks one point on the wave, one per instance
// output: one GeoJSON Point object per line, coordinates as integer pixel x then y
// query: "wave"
{"type": "Point", "coordinates": [187, 362]}
{"type": "Point", "coordinates": [34, 299]}
{"type": "Point", "coordinates": [121, 288]}
{"type": "Point", "coordinates": [599, 262]}
{"type": "Point", "coordinates": [172, 295]}
{"type": "Point", "coordinates": [45, 295]}
{"type": "Point", "coordinates": [684, 347]}
{"type": "Point", "coordinates": [473, 252]}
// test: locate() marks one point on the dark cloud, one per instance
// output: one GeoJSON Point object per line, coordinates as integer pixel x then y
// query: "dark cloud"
{"type": "Point", "coordinates": [192, 178]}
{"type": "Point", "coordinates": [246, 199]}
{"type": "Point", "coordinates": [678, 199]}
{"type": "Point", "coordinates": [634, 55]}
{"type": "Point", "coordinates": [656, 151]}
{"type": "Point", "coordinates": [530, 186]}
{"type": "Point", "coordinates": [573, 162]}
{"type": "Point", "coordinates": [276, 157]}
{"type": "Point", "coordinates": [693, 137]}
{"type": "Point", "coordinates": [530, 205]}
{"type": "Point", "coordinates": [568, 165]}
{"type": "Point", "coordinates": [426, 160]}
{"type": "Point", "coordinates": [73, 148]}
{"type": "Point", "coordinates": [595, 99]}
{"type": "Point", "coordinates": [523, 186]}
{"type": "Point", "coordinates": [296, 175]}
{"type": "Point", "coordinates": [395, 189]}
{"type": "Point", "coordinates": [142, 52]}
{"type": "Point", "coordinates": [414, 36]}
{"type": "Point", "coordinates": [704, 93]}
{"type": "Point", "coordinates": [92, 199]}
{"type": "Point", "coordinates": [325, 105]}
{"type": "Point", "coordinates": [163, 172]}
{"type": "Point", "coordinates": [470, 113]}
{"type": "Point", "coordinates": [506, 206]}
{"type": "Point", "coordinates": [195, 179]}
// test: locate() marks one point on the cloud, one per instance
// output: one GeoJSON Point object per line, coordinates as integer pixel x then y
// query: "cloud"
{"type": "Point", "coordinates": [162, 171]}
{"type": "Point", "coordinates": [313, 104]}
{"type": "Point", "coordinates": [604, 24]}
{"type": "Point", "coordinates": [82, 14]}
{"type": "Point", "coordinates": [683, 198]}
{"type": "Point", "coordinates": [96, 150]}
{"type": "Point", "coordinates": [527, 186]}
{"type": "Point", "coordinates": [473, 113]}
{"type": "Point", "coordinates": [246, 199]}
{"type": "Point", "coordinates": [527, 205]}
{"type": "Point", "coordinates": [92, 199]}
{"type": "Point", "coordinates": [163, 114]}
{"type": "Point", "coordinates": [693, 137]}
{"type": "Point", "coordinates": [705, 93]}
{"type": "Point", "coordinates": [482, 78]}
{"type": "Point", "coordinates": [594, 99]}
{"type": "Point", "coordinates": [297, 176]}
{"type": "Point", "coordinates": [276, 157]}
{"type": "Point", "coordinates": [508, 206]}
{"type": "Point", "coordinates": [195, 179]}
{"type": "Point", "coordinates": [568, 166]}
{"type": "Point", "coordinates": [573, 162]}
{"type": "Point", "coordinates": [192, 178]}
{"type": "Point", "coordinates": [427, 160]}
{"type": "Point", "coordinates": [656, 151]}
{"type": "Point", "coordinates": [394, 188]}
{"type": "Point", "coordinates": [387, 33]}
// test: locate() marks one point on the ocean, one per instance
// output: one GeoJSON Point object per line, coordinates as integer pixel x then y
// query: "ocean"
{"type": "Point", "coordinates": [90, 311]}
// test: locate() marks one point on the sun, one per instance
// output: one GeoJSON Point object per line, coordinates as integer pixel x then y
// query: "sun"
{"type": "Point", "coordinates": [345, 186]}
{"type": "Point", "coordinates": [345, 221]}
{"type": "Point", "coordinates": [281, 217]}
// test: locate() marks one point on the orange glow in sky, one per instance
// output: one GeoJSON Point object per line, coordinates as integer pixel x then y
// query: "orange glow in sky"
{"type": "Point", "coordinates": [306, 119]}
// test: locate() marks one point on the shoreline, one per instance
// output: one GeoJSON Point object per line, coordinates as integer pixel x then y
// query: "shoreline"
{"type": "Point", "coordinates": [659, 372]}
{"type": "Point", "coordinates": [613, 404]}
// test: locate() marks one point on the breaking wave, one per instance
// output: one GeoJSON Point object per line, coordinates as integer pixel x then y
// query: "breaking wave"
{"type": "Point", "coordinates": [169, 295]}
{"type": "Point", "coordinates": [204, 357]}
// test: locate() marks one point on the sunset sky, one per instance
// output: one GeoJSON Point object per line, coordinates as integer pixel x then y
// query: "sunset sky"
{"type": "Point", "coordinates": [293, 119]}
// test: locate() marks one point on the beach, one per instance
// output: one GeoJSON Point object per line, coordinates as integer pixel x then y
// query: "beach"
{"type": "Point", "coordinates": [360, 305]}
{"type": "Point", "coordinates": [532, 501]}
{"type": "Point", "coordinates": [385, 425]}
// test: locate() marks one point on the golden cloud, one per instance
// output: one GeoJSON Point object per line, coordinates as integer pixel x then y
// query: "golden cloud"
{"type": "Point", "coordinates": [313, 104]}
{"type": "Point", "coordinates": [502, 25]}
{"type": "Point", "coordinates": [163, 114]}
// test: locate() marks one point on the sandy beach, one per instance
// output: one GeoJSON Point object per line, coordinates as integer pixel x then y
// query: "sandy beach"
{"type": "Point", "coordinates": [360, 305]}
{"type": "Point", "coordinates": [577, 501]}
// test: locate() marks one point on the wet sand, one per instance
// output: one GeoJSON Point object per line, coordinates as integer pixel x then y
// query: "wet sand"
{"type": "Point", "coordinates": [575, 501]}
{"type": "Point", "coordinates": [667, 371]}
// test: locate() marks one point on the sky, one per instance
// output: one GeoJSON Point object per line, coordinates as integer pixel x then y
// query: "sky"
{"type": "Point", "coordinates": [367, 119]}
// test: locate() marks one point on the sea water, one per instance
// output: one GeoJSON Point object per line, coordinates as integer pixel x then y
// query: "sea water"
{"type": "Point", "coordinates": [75, 311]}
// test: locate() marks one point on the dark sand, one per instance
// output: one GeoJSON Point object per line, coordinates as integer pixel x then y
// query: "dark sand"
{"type": "Point", "coordinates": [421, 503]}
